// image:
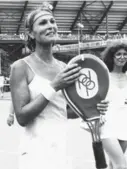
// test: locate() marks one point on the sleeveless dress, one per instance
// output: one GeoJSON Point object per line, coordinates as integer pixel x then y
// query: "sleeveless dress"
{"type": "Point", "coordinates": [44, 140]}
{"type": "Point", "coordinates": [116, 116]}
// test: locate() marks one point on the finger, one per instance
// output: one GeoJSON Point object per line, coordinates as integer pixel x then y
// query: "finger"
{"type": "Point", "coordinates": [104, 101]}
{"type": "Point", "coordinates": [72, 77]}
{"type": "Point", "coordinates": [102, 112]}
{"type": "Point", "coordinates": [70, 82]}
{"type": "Point", "coordinates": [69, 67]}
{"type": "Point", "coordinates": [102, 108]}
{"type": "Point", "coordinates": [102, 120]}
{"type": "Point", "coordinates": [102, 105]}
{"type": "Point", "coordinates": [73, 71]}
{"type": "Point", "coordinates": [102, 123]}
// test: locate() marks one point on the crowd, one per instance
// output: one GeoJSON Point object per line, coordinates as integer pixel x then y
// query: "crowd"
{"type": "Point", "coordinates": [4, 85]}
{"type": "Point", "coordinates": [88, 37]}
{"type": "Point", "coordinates": [69, 36]}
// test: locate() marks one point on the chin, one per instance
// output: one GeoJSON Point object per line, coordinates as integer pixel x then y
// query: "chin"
{"type": "Point", "coordinates": [50, 40]}
{"type": "Point", "coordinates": [120, 64]}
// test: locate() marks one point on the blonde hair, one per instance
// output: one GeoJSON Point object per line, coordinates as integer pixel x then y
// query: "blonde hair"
{"type": "Point", "coordinates": [30, 21]}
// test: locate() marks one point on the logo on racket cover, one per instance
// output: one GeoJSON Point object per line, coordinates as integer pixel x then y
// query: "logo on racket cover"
{"type": "Point", "coordinates": [87, 83]}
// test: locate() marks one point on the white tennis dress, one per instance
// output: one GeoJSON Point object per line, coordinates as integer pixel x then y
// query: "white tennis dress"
{"type": "Point", "coordinates": [44, 141]}
{"type": "Point", "coordinates": [116, 117]}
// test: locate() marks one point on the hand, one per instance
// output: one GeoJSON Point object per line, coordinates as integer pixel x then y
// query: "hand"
{"type": "Point", "coordinates": [102, 106]}
{"type": "Point", "coordinates": [102, 120]}
{"type": "Point", "coordinates": [68, 76]}
{"type": "Point", "coordinates": [84, 126]}
{"type": "Point", "coordinates": [10, 120]}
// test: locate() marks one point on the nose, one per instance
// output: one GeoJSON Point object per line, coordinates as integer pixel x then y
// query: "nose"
{"type": "Point", "coordinates": [122, 56]}
{"type": "Point", "coordinates": [50, 25]}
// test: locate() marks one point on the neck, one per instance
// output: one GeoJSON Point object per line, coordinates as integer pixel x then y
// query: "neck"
{"type": "Point", "coordinates": [44, 52]}
{"type": "Point", "coordinates": [117, 69]}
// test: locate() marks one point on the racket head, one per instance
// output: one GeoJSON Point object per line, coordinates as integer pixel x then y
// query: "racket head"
{"type": "Point", "coordinates": [90, 88]}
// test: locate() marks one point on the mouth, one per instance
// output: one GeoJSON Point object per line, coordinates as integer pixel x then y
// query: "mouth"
{"type": "Point", "coordinates": [122, 62]}
{"type": "Point", "coordinates": [50, 34]}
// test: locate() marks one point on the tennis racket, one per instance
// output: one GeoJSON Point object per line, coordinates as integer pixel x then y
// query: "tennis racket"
{"type": "Point", "coordinates": [83, 96]}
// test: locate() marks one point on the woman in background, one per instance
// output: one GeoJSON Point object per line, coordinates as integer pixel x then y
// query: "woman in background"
{"type": "Point", "coordinates": [114, 130]}
{"type": "Point", "coordinates": [2, 85]}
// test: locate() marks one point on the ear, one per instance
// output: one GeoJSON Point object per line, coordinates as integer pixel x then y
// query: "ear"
{"type": "Point", "coordinates": [30, 34]}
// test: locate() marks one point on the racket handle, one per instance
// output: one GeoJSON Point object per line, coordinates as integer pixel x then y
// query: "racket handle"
{"type": "Point", "coordinates": [99, 155]}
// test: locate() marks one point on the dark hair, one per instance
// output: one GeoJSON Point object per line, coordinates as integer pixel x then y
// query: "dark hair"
{"type": "Point", "coordinates": [108, 54]}
{"type": "Point", "coordinates": [30, 21]}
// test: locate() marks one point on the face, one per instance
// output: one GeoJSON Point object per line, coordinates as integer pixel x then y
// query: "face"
{"type": "Point", "coordinates": [44, 28]}
{"type": "Point", "coordinates": [120, 57]}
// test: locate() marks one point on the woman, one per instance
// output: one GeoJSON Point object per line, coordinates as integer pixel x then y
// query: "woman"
{"type": "Point", "coordinates": [2, 85]}
{"type": "Point", "coordinates": [36, 83]}
{"type": "Point", "coordinates": [114, 131]}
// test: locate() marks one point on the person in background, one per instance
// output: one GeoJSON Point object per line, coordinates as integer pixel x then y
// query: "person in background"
{"type": "Point", "coordinates": [2, 85]}
{"type": "Point", "coordinates": [10, 118]}
{"type": "Point", "coordinates": [39, 104]}
{"type": "Point", "coordinates": [114, 130]}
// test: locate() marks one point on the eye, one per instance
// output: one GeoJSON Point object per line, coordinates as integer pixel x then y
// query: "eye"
{"type": "Point", "coordinates": [52, 21]}
{"type": "Point", "coordinates": [125, 55]}
{"type": "Point", "coordinates": [43, 22]}
{"type": "Point", "coordinates": [118, 54]}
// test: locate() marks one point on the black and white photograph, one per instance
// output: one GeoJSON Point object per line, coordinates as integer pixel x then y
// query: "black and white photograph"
{"type": "Point", "coordinates": [63, 84]}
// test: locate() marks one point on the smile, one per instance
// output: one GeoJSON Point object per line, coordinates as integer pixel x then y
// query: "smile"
{"type": "Point", "coordinates": [50, 33]}
{"type": "Point", "coordinates": [121, 62]}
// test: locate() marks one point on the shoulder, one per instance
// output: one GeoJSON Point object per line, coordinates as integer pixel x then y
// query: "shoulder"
{"type": "Point", "coordinates": [19, 64]}
{"type": "Point", "coordinates": [18, 69]}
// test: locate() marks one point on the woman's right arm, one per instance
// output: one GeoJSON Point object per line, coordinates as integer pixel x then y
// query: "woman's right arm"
{"type": "Point", "coordinates": [25, 108]}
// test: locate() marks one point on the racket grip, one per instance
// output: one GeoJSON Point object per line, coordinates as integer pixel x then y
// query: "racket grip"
{"type": "Point", "coordinates": [99, 155]}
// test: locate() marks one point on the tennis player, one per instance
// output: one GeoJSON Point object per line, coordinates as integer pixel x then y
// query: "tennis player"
{"type": "Point", "coordinates": [40, 107]}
